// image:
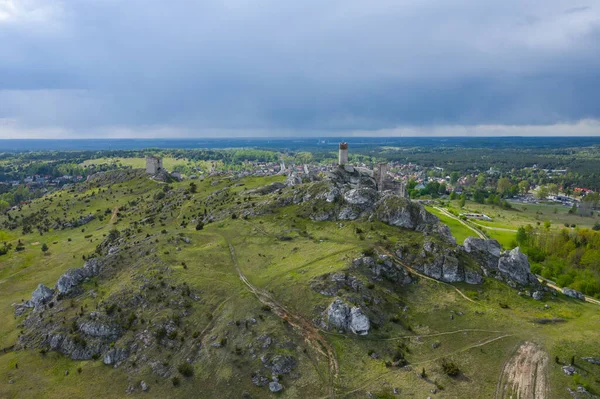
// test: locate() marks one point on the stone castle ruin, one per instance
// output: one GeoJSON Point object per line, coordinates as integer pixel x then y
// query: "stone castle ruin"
{"type": "Point", "coordinates": [382, 181]}
{"type": "Point", "coordinates": [153, 165]}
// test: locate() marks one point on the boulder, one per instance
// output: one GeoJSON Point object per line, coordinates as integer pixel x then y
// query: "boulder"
{"type": "Point", "coordinates": [281, 364]}
{"type": "Point", "coordinates": [338, 314]}
{"type": "Point", "coordinates": [593, 360]}
{"type": "Point", "coordinates": [115, 356]}
{"type": "Point", "coordinates": [341, 316]}
{"type": "Point", "coordinates": [359, 322]}
{"type": "Point", "coordinates": [259, 380]}
{"type": "Point", "coordinates": [275, 387]}
{"type": "Point", "coordinates": [40, 296]}
{"type": "Point", "coordinates": [573, 294]}
{"type": "Point", "coordinates": [538, 295]}
{"type": "Point", "coordinates": [514, 265]}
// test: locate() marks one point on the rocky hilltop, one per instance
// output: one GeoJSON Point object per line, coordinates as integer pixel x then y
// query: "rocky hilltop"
{"type": "Point", "coordinates": [135, 302]}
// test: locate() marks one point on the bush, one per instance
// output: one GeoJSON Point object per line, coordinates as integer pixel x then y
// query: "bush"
{"type": "Point", "coordinates": [186, 369]}
{"type": "Point", "coordinates": [176, 381]}
{"type": "Point", "coordinates": [199, 226]}
{"type": "Point", "coordinates": [369, 252]}
{"type": "Point", "coordinates": [450, 368]}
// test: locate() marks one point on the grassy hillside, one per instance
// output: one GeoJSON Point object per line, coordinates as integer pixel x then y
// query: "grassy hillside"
{"type": "Point", "coordinates": [261, 269]}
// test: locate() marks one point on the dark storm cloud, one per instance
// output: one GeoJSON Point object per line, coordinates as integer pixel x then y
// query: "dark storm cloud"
{"type": "Point", "coordinates": [267, 66]}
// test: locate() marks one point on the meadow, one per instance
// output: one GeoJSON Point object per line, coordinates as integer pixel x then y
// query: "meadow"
{"type": "Point", "coordinates": [280, 254]}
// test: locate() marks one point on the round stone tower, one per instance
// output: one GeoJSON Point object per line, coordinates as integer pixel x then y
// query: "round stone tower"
{"type": "Point", "coordinates": [343, 155]}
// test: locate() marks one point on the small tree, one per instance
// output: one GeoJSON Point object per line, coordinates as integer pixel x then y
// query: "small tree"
{"type": "Point", "coordinates": [45, 248]}
{"type": "Point", "coordinates": [542, 193]}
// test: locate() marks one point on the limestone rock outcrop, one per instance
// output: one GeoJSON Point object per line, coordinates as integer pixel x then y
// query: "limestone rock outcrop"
{"type": "Point", "coordinates": [73, 277]}
{"type": "Point", "coordinates": [345, 318]}
{"type": "Point", "coordinates": [40, 296]}
{"type": "Point", "coordinates": [573, 294]}
{"type": "Point", "coordinates": [512, 266]}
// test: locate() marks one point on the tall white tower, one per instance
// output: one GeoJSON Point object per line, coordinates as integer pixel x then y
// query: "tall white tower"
{"type": "Point", "coordinates": [343, 155]}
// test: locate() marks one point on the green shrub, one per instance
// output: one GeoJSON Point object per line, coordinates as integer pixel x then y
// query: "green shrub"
{"type": "Point", "coordinates": [186, 369]}
{"type": "Point", "coordinates": [450, 368]}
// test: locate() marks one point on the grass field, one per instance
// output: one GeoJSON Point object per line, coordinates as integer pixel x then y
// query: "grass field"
{"type": "Point", "coordinates": [506, 221]}
{"type": "Point", "coordinates": [459, 230]}
{"type": "Point", "coordinates": [135, 163]}
{"type": "Point", "coordinates": [280, 253]}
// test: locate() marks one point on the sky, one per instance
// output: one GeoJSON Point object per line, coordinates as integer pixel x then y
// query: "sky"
{"type": "Point", "coordinates": [188, 68]}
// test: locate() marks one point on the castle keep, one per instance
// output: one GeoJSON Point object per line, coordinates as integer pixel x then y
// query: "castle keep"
{"type": "Point", "coordinates": [153, 164]}
{"type": "Point", "coordinates": [343, 154]}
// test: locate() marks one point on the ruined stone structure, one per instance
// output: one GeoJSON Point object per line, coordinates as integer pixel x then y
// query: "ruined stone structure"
{"type": "Point", "coordinates": [386, 183]}
{"type": "Point", "coordinates": [343, 154]}
{"type": "Point", "coordinates": [153, 164]}
{"type": "Point", "coordinates": [380, 174]}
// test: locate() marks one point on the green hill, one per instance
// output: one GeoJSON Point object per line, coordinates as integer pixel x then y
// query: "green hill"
{"type": "Point", "coordinates": [229, 288]}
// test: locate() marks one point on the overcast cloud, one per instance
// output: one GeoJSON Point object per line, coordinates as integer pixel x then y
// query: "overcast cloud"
{"type": "Point", "coordinates": [182, 68]}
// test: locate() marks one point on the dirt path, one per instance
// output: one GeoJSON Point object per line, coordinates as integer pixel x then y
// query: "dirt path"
{"type": "Point", "coordinates": [552, 284]}
{"type": "Point", "coordinates": [310, 333]}
{"type": "Point", "coordinates": [475, 230]}
{"type": "Point", "coordinates": [114, 215]}
{"type": "Point", "coordinates": [525, 374]}
{"type": "Point", "coordinates": [494, 228]}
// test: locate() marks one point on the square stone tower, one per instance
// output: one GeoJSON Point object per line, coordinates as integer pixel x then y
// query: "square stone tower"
{"type": "Point", "coordinates": [381, 176]}
{"type": "Point", "coordinates": [153, 164]}
{"type": "Point", "coordinates": [343, 154]}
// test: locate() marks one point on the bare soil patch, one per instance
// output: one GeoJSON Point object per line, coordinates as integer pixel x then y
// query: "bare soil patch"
{"type": "Point", "coordinates": [525, 374]}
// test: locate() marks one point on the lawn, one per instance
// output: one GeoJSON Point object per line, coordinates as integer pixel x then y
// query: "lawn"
{"type": "Point", "coordinates": [459, 230]}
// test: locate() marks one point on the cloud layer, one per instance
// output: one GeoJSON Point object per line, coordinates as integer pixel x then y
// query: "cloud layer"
{"type": "Point", "coordinates": [134, 68]}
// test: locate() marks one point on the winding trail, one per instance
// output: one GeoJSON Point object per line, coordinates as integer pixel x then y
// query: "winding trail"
{"type": "Point", "coordinates": [310, 333]}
